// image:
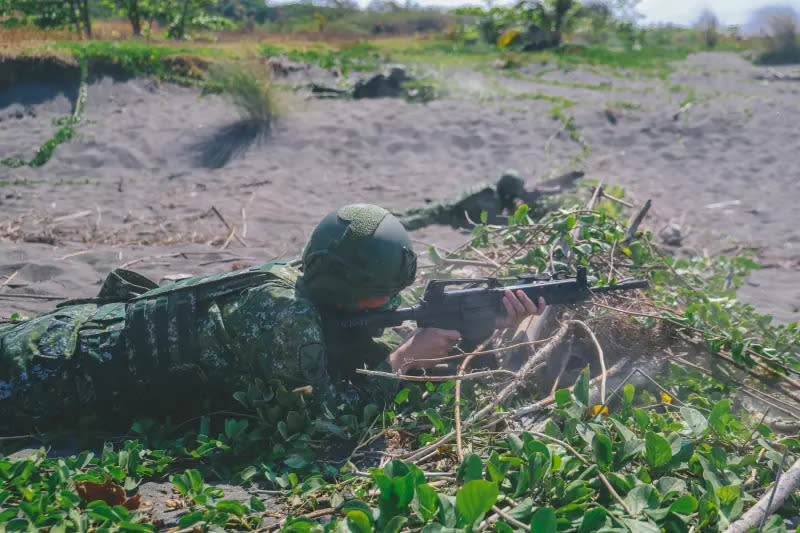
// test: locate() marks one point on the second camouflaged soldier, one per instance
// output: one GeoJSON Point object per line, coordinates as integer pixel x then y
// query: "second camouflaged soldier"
{"type": "Point", "coordinates": [495, 200]}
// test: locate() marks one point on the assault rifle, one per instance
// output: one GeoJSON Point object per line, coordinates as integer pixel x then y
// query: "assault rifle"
{"type": "Point", "coordinates": [472, 311]}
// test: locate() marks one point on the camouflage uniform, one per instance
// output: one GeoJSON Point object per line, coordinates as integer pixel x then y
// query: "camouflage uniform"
{"type": "Point", "coordinates": [139, 348]}
{"type": "Point", "coordinates": [495, 200]}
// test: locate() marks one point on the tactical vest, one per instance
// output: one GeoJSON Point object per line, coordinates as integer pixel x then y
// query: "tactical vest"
{"type": "Point", "coordinates": [161, 321]}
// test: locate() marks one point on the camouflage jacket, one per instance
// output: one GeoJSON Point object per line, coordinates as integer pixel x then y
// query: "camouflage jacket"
{"type": "Point", "coordinates": [472, 201]}
{"type": "Point", "coordinates": [157, 349]}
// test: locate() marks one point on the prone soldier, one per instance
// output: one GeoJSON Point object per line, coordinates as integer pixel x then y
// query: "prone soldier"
{"type": "Point", "coordinates": [138, 348]}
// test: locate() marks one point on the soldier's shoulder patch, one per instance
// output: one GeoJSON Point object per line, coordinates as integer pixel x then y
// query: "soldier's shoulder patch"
{"type": "Point", "coordinates": [312, 361]}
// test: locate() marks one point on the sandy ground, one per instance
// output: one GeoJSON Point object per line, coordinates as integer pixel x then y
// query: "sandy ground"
{"type": "Point", "coordinates": [135, 187]}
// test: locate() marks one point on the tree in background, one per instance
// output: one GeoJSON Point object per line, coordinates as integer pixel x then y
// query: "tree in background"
{"type": "Point", "coordinates": [138, 12]}
{"type": "Point", "coordinates": [708, 26]}
{"type": "Point", "coordinates": [51, 13]}
{"type": "Point", "coordinates": [550, 19]}
{"type": "Point", "coordinates": [181, 15]}
{"type": "Point", "coordinates": [601, 20]}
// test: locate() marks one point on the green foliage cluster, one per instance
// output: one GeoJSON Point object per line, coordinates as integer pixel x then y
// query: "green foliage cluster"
{"type": "Point", "coordinates": [140, 58]}
{"type": "Point", "coordinates": [47, 14]}
{"type": "Point", "coordinates": [679, 462]}
{"type": "Point", "coordinates": [671, 467]}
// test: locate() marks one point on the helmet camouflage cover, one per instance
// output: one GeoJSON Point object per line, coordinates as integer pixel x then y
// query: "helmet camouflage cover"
{"type": "Point", "coordinates": [360, 251]}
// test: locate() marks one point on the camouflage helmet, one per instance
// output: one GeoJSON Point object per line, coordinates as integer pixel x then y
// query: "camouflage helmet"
{"type": "Point", "coordinates": [510, 186]}
{"type": "Point", "coordinates": [359, 251]}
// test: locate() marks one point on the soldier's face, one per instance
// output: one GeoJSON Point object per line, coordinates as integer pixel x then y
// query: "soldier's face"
{"type": "Point", "coordinates": [372, 303]}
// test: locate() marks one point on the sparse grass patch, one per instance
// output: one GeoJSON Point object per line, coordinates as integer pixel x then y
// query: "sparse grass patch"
{"type": "Point", "coordinates": [605, 86]}
{"type": "Point", "coordinates": [651, 60]}
{"type": "Point", "coordinates": [616, 104]}
{"type": "Point", "coordinates": [361, 56]}
{"type": "Point", "coordinates": [181, 64]}
{"type": "Point", "coordinates": [562, 102]}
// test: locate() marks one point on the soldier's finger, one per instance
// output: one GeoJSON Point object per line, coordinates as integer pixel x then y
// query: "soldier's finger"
{"type": "Point", "coordinates": [511, 313]}
{"type": "Point", "coordinates": [530, 307]}
{"type": "Point", "coordinates": [515, 301]}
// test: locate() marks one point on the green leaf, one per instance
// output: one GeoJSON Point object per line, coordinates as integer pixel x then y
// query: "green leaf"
{"type": "Point", "coordinates": [601, 447]}
{"type": "Point", "coordinates": [641, 418]}
{"type": "Point", "coordinates": [195, 480]}
{"type": "Point", "coordinates": [425, 502]}
{"type": "Point", "coordinates": [637, 526]}
{"type": "Point", "coordinates": [719, 416]}
{"type": "Point", "coordinates": [257, 505]}
{"type": "Point", "coordinates": [642, 497]}
{"type": "Point", "coordinates": [131, 526]}
{"type": "Point", "coordinates": [544, 520]}
{"type": "Point", "coordinates": [471, 468]}
{"type": "Point", "coordinates": [667, 486]}
{"type": "Point", "coordinates": [395, 524]}
{"type": "Point", "coordinates": [686, 504]}
{"type": "Point", "coordinates": [248, 473]}
{"type": "Point", "coordinates": [563, 397]}
{"type": "Point", "coordinates": [496, 468]}
{"type": "Point", "coordinates": [402, 396]}
{"type": "Point", "coordinates": [356, 505]}
{"type": "Point", "coordinates": [657, 449]}
{"type": "Point", "coordinates": [593, 520]}
{"type": "Point", "coordinates": [474, 499]}
{"type": "Point", "coordinates": [628, 391]}
{"type": "Point", "coordinates": [231, 506]}
{"type": "Point", "coordinates": [295, 462]}
{"type": "Point", "coordinates": [358, 522]}
{"type": "Point", "coordinates": [581, 390]}
{"type": "Point", "coordinates": [694, 420]}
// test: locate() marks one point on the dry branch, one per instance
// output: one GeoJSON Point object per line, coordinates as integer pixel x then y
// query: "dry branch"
{"type": "Point", "coordinates": [634, 227]}
{"type": "Point", "coordinates": [787, 484]}
{"type": "Point", "coordinates": [406, 377]}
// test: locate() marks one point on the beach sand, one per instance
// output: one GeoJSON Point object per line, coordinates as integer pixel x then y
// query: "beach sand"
{"type": "Point", "coordinates": [137, 185]}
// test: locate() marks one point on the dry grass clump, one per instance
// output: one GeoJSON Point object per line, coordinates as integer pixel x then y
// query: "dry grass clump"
{"type": "Point", "coordinates": [249, 88]}
{"type": "Point", "coordinates": [781, 40]}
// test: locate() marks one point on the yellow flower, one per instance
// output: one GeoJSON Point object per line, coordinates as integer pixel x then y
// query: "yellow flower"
{"type": "Point", "coordinates": [666, 398]}
{"type": "Point", "coordinates": [596, 409]}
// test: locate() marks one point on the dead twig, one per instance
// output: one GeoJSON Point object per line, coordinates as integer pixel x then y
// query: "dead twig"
{"type": "Point", "coordinates": [634, 227]}
{"type": "Point", "coordinates": [519, 378]}
{"type": "Point", "coordinates": [785, 484]}
{"type": "Point", "coordinates": [600, 356]}
{"type": "Point", "coordinates": [564, 363]}
{"type": "Point", "coordinates": [546, 402]}
{"type": "Point", "coordinates": [406, 377]}
{"type": "Point", "coordinates": [510, 519]}
{"type": "Point", "coordinates": [9, 278]}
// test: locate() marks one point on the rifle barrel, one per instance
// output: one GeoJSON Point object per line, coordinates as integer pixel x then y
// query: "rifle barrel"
{"type": "Point", "coordinates": [623, 286]}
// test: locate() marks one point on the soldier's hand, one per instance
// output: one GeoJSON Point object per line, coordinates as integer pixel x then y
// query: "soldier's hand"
{"type": "Point", "coordinates": [423, 349]}
{"type": "Point", "coordinates": [518, 307]}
